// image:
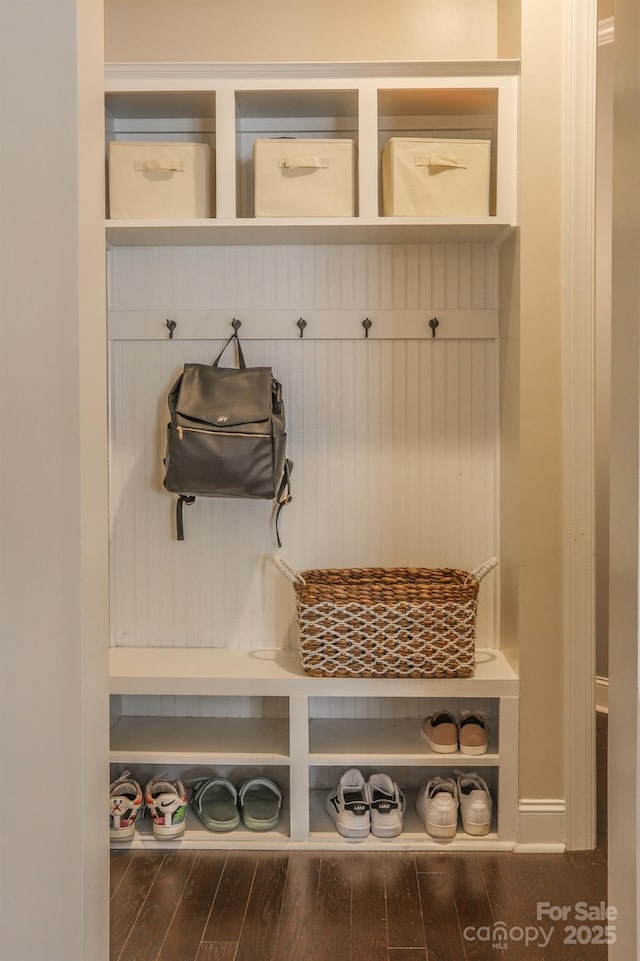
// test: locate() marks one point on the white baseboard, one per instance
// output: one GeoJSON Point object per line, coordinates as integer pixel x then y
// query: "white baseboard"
{"type": "Point", "coordinates": [542, 826]}
{"type": "Point", "coordinates": [602, 694]}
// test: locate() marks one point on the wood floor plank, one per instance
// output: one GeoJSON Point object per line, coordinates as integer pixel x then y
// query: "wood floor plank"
{"type": "Point", "coordinates": [404, 913]}
{"type": "Point", "coordinates": [407, 954]}
{"type": "Point", "coordinates": [472, 905]}
{"type": "Point", "coordinates": [130, 896]}
{"type": "Point", "coordinates": [433, 862]}
{"type": "Point", "coordinates": [514, 884]}
{"type": "Point", "coordinates": [440, 919]}
{"type": "Point", "coordinates": [299, 906]}
{"type": "Point", "coordinates": [217, 951]}
{"type": "Point", "coordinates": [230, 903]}
{"type": "Point", "coordinates": [154, 918]}
{"type": "Point", "coordinates": [368, 909]}
{"type": "Point", "coordinates": [332, 922]}
{"type": "Point", "coordinates": [259, 931]}
{"type": "Point", "coordinates": [119, 862]}
{"type": "Point", "coordinates": [592, 868]}
{"type": "Point", "coordinates": [192, 912]}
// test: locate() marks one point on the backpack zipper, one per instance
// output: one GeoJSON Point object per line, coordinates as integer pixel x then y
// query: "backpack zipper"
{"type": "Point", "coordinates": [217, 433]}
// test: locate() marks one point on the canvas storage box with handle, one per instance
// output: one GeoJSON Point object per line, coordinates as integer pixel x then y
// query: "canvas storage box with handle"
{"type": "Point", "coordinates": [155, 181]}
{"type": "Point", "coordinates": [304, 178]}
{"type": "Point", "coordinates": [423, 177]}
{"type": "Point", "coordinates": [387, 622]}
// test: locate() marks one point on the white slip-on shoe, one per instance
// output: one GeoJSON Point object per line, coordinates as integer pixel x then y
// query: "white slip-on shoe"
{"type": "Point", "coordinates": [387, 806]}
{"type": "Point", "coordinates": [437, 805]}
{"type": "Point", "coordinates": [215, 801]}
{"type": "Point", "coordinates": [440, 731]}
{"type": "Point", "coordinates": [125, 806]}
{"type": "Point", "coordinates": [348, 805]}
{"type": "Point", "coordinates": [473, 732]}
{"type": "Point", "coordinates": [260, 800]}
{"type": "Point", "coordinates": [167, 803]}
{"type": "Point", "coordinates": [475, 803]}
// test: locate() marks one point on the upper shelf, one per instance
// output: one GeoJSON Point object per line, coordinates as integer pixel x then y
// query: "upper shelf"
{"type": "Point", "coordinates": [121, 75]}
{"type": "Point", "coordinates": [230, 106]}
{"type": "Point", "coordinates": [255, 231]}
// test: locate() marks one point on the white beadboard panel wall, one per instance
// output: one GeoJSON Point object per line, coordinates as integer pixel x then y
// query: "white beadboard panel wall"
{"type": "Point", "coordinates": [382, 276]}
{"type": "Point", "coordinates": [394, 442]}
{"type": "Point", "coordinates": [178, 705]}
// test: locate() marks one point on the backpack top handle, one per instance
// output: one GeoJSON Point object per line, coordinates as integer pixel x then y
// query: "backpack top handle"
{"type": "Point", "coordinates": [241, 363]}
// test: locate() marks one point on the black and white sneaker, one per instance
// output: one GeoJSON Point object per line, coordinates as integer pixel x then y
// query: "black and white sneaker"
{"type": "Point", "coordinates": [348, 805]}
{"type": "Point", "coordinates": [388, 805]}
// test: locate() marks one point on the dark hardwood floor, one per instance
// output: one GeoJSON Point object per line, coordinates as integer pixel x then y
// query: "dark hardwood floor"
{"type": "Point", "coordinates": [359, 906]}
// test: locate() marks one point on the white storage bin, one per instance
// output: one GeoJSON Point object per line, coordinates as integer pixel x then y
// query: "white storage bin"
{"type": "Point", "coordinates": [424, 177]}
{"type": "Point", "coordinates": [160, 180]}
{"type": "Point", "coordinates": [304, 178]}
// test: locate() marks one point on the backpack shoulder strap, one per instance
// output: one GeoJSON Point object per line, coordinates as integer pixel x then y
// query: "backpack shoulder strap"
{"type": "Point", "coordinates": [182, 500]}
{"type": "Point", "coordinates": [283, 496]}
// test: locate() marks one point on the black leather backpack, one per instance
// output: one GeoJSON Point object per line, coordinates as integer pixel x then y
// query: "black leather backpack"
{"type": "Point", "coordinates": [227, 435]}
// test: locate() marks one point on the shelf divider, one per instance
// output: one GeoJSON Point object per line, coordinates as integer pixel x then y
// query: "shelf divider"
{"type": "Point", "coordinates": [225, 153]}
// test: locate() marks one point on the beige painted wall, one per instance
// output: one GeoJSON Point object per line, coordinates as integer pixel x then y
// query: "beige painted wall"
{"type": "Point", "coordinates": [53, 646]}
{"type": "Point", "coordinates": [299, 30]}
{"type": "Point", "coordinates": [509, 28]}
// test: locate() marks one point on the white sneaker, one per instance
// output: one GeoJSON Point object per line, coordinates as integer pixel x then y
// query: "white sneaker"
{"type": "Point", "coordinates": [475, 803]}
{"type": "Point", "coordinates": [387, 806]}
{"type": "Point", "coordinates": [348, 805]}
{"type": "Point", "coordinates": [167, 804]}
{"type": "Point", "coordinates": [437, 805]}
{"type": "Point", "coordinates": [125, 804]}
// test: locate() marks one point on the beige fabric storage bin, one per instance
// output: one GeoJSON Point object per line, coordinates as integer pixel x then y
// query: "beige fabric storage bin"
{"type": "Point", "coordinates": [424, 177]}
{"type": "Point", "coordinates": [304, 178]}
{"type": "Point", "coordinates": [160, 180]}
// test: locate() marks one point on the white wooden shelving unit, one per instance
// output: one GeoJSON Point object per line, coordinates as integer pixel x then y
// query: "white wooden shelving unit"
{"type": "Point", "coordinates": [175, 708]}
{"type": "Point", "coordinates": [304, 749]}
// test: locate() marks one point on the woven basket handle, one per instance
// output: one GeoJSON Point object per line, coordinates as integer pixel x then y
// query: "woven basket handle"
{"type": "Point", "coordinates": [484, 569]}
{"type": "Point", "coordinates": [289, 572]}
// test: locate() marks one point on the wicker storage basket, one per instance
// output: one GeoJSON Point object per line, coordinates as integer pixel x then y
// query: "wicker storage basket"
{"type": "Point", "coordinates": [387, 622]}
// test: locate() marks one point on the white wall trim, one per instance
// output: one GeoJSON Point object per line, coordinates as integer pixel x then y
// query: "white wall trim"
{"type": "Point", "coordinates": [542, 825]}
{"type": "Point", "coordinates": [602, 694]}
{"type": "Point", "coordinates": [578, 404]}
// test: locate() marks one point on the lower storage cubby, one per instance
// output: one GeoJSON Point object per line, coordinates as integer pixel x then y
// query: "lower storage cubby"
{"type": "Point", "coordinates": [372, 730]}
{"type": "Point", "coordinates": [196, 834]}
{"type": "Point", "coordinates": [410, 780]}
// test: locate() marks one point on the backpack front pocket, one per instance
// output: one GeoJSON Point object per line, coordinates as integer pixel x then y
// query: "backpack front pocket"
{"type": "Point", "coordinates": [219, 463]}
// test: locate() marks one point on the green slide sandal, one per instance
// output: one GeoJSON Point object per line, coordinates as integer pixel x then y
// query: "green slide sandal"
{"type": "Point", "coordinates": [260, 800]}
{"type": "Point", "coordinates": [215, 801]}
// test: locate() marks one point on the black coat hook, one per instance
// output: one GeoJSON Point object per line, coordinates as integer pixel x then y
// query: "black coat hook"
{"type": "Point", "coordinates": [171, 324]}
{"type": "Point", "coordinates": [367, 324]}
{"type": "Point", "coordinates": [301, 324]}
{"type": "Point", "coordinates": [236, 324]}
{"type": "Point", "coordinates": [434, 323]}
